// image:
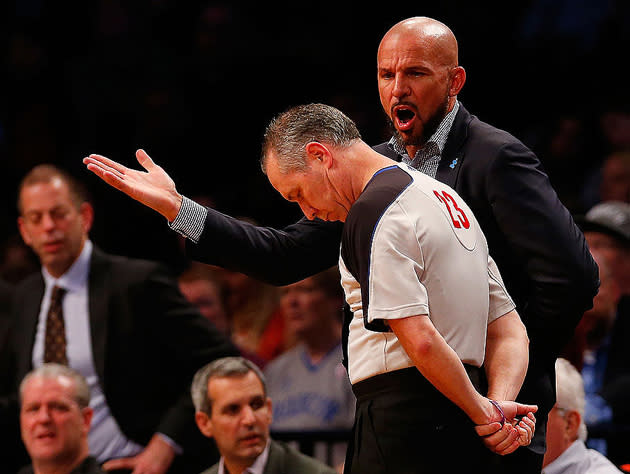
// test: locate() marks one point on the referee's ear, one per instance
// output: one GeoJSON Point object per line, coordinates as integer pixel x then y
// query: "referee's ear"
{"type": "Point", "coordinates": [316, 151]}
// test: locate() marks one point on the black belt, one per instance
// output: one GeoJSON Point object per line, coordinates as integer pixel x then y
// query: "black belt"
{"type": "Point", "coordinates": [410, 377]}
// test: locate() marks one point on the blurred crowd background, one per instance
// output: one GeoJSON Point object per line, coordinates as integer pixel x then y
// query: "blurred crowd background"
{"type": "Point", "coordinates": [194, 83]}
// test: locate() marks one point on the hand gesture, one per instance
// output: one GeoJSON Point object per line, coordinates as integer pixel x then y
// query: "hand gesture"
{"type": "Point", "coordinates": [153, 187]}
{"type": "Point", "coordinates": [517, 430]}
{"type": "Point", "coordinates": [156, 458]}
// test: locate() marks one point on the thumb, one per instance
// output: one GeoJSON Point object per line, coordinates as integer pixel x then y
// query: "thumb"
{"type": "Point", "coordinates": [490, 428]}
{"type": "Point", "coordinates": [144, 159]}
{"type": "Point", "coordinates": [122, 463]}
{"type": "Point", "coordinates": [522, 409]}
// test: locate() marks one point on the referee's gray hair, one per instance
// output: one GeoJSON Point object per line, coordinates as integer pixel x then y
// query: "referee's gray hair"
{"type": "Point", "coordinates": [224, 367]}
{"type": "Point", "coordinates": [289, 132]}
{"type": "Point", "coordinates": [570, 392]}
{"type": "Point", "coordinates": [52, 370]}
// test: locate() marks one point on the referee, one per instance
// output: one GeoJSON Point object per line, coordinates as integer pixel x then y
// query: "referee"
{"type": "Point", "coordinates": [426, 298]}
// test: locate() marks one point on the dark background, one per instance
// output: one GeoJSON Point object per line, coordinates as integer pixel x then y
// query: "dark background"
{"type": "Point", "coordinates": [194, 83]}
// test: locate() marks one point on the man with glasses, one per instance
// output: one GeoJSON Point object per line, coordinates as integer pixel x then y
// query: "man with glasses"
{"type": "Point", "coordinates": [566, 431]}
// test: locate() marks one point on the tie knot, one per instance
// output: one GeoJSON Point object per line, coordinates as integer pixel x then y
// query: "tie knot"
{"type": "Point", "coordinates": [57, 293]}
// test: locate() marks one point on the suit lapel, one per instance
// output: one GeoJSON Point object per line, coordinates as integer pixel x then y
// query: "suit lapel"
{"type": "Point", "coordinates": [274, 461]}
{"type": "Point", "coordinates": [25, 338]}
{"type": "Point", "coordinates": [98, 289]}
{"type": "Point", "coordinates": [452, 155]}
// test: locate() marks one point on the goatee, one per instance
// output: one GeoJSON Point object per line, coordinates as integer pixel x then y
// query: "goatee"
{"type": "Point", "coordinates": [430, 127]}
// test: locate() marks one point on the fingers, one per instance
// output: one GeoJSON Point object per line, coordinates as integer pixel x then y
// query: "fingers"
{"type": "Point", "coordinates": [529, 420]}
{"type": "Point", "coordinates": [503, 441]}
{"type": "Point", "coordinates": [113, 178]}
{"type": "Point", "coordinates": [109, 171]}
{"type": "Point", "coordinates": [526, 428]}
{"type": "Point", "coordinates": [524, 436]}
{"type": "Point", "coordinates": [486, 430]}
{"type": "Point", "coordinates": [105, 164]}
{"type": "Point", "coordinates": [122, 463]}
{"type": "Point", "coordinates": [509, 449]}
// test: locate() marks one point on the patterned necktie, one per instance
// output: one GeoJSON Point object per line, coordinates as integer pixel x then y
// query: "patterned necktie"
{"type": "Point", "coordinates": [55, 343]}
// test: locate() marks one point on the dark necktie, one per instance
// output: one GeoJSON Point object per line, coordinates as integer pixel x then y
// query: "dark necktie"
{"type": "Point", "coordinates": [55, 342]}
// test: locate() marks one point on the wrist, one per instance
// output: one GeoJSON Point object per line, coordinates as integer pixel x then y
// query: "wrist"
{"type": "Point", "coordinates": [176, 205]}
{"type": "Point", "coordinates": [498, 409]}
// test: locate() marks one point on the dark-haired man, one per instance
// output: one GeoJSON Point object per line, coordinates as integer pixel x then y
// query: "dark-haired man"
{"type": "Point", "coordinates": [232, 406]}
{"type": "Point", "coordinates": [121, 323]}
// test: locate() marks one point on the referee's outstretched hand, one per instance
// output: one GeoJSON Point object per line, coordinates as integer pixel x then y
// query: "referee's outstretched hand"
{"type": "Point", "coordinates": [152, 187]}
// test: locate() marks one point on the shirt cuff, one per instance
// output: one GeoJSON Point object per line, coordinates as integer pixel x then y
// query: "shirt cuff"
{"type": "Point", "coordinates": [176, 447]}
{"type": "Point", "coordinates": [190, 219]}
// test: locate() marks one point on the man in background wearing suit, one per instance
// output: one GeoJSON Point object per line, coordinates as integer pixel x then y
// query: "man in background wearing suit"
{"type": "Point", "coordinates": [124, 326]}
{"type": "Point", "coordinates": [230, 396]}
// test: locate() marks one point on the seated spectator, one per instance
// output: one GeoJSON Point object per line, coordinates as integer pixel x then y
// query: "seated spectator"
{"type": "Point", "coordinates": [18, 260]}
{"type": "Point", "coordinates": [232, 406]}
{"type": "Point", "coordinates": [615, 180]}
{"type": "Point", "coordinates": [589, 347]}
{"type": "Point", "coordinates": [308, 384]}
{"type": "Point", "coordinates": [55, 419]}
{"type": "Point", "coordinates": [566, 431]}
{"type": "Point", "coordinates": [257, 323]}
{"type": "Point", "coordinates": [606, 227]}
{"type": "Point", "coordinates": [203, 287]}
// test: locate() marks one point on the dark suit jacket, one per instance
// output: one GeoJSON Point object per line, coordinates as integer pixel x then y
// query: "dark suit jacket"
{"type": "Point", "coordinates": [6, 292]}
{"type": "Point", "coordinates": [147, 342]}
{"type": "Point", "coordinates": [541, 253]}
{"type": "Point", "coordinates": [283, 459]}
{"type": "Point", "coordinates": [88, 466]}
{"type": "Point", "coordinates": [13, 454]}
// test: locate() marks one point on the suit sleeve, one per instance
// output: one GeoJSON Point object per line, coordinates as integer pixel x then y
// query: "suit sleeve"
{"type": "Point", "coordinates": [185, 341]}
{"type": "Point", "coordinates": [5, 326]}
{"type": "Point", "coordinates": [546, 243]}
{"type": "Point", "coordinates": [278, 257]}
{"type": "Point", "coordinates": [14, 453]}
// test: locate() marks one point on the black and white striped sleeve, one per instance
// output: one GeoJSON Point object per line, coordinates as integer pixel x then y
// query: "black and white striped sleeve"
{"type": "Point", "coordinates": [190, 219]}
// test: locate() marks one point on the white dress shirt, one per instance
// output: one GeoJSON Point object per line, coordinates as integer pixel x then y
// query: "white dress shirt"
{"type": "Point", "coordinates": [257, 468]}
{"type": "Point", "coordinates": [578, 459]}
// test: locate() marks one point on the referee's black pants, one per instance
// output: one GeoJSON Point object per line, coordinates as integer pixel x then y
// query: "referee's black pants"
{"type": "Point", "coordinates": [404, 425]}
